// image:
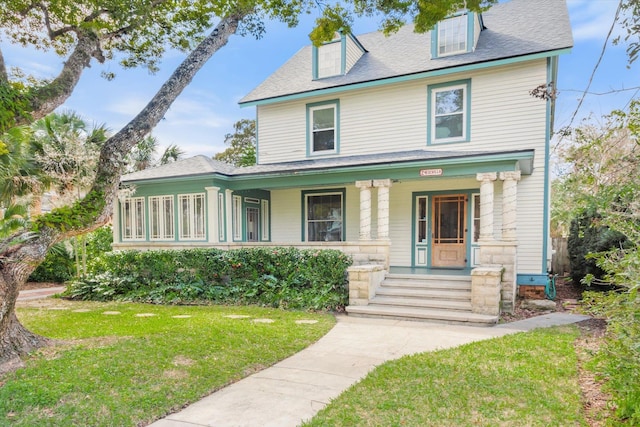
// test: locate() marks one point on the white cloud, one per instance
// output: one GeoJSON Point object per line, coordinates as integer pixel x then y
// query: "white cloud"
{"type": "Point", "coordinates": [591, 20]}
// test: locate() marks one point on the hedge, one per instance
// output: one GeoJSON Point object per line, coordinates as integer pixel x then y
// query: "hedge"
{"type": "Point", "coordinates": [276, 277]}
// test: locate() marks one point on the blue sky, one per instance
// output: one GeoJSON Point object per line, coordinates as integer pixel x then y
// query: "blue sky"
{"type": "Point", "coordinates": [207, 109]}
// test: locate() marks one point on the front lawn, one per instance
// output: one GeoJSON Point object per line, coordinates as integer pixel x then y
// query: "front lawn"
{"type": "Point", "coordinates": [527, 379]}
{"type": "Point", "coordinates": [129, 364]}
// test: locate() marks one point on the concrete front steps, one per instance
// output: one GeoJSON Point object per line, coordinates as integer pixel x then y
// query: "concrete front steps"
{"type": "Point", "coordinates": [434, 298]}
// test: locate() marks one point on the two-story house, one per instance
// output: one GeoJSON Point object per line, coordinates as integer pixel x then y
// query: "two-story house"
{"type": "Point", "coordinates": [423, 155]}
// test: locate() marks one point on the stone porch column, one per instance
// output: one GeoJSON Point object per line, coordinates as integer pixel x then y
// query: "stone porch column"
{"type": "Point", "coordinates": [486, 204]}
{"type": "Point", "coordinates": [509, 204]}
{"type": "Point", "coordinates": [365, 209]}
{"type": "Point", "coordinates": [383, 186]}
{"type": "Point", "coordinates": [212, 213]}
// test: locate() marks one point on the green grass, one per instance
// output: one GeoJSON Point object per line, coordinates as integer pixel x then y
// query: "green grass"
{"type": "Point", "coordinates": [528, 379]}
{"type": "Point", "coordinates": [126, 370]}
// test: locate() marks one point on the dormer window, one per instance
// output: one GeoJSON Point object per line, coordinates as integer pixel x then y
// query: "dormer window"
{"type": "Point", "coordinates": [452, 35]}
{"type": "Point", "coordinates": [335, 58]}
{"type": "Point", "coordinates": [456, 35]}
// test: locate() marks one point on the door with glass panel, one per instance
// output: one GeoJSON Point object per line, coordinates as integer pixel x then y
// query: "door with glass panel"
{"type": "Point", "coordinates": [449, 230]}
{"type": "Point", "coordinates": [253, 219]}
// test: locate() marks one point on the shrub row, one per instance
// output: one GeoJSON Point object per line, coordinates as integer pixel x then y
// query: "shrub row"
{"type": "Point", "coordinates": [276, 277]}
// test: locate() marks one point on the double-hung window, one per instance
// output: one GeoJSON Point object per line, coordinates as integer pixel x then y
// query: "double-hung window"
{"type": "Point", "coordinates": [161, 218]}
{"type": "Point", "coordinates": [133, 218]}
{"type": "Point", "coordinates": [324, 217]}
{"type": "Point", "coordinates": [323, 127]}
{"type": "Point", "coordinates": [192, 214]}
{"type": "Point", "coordinates": [449, 112]}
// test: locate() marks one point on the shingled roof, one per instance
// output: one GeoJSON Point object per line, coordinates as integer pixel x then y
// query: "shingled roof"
{"type": "Point", "coordinates": [512, 29]}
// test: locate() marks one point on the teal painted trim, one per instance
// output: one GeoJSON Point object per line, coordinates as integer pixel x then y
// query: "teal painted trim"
{"type": "Point", "coordinates": [532, 279]}
{"type": "Point", "coordinates": [303, 208]}
{"type": "Point", "coordinates": [357, 43]}
{"type": "Point", "coordinates": [402, 171]}
{"type": "Point", "coordinates": [314, 62]}
{"type": "Point", "coordinates": [547, 185]}
{"type": "Point", "coordinates": [434, 42]}
{"type": "Point", "coordinates": [468, 192]}
{"type": "Point", "coordinates": [471, 17]}
{"type": "Point", "coordinates": [466, 136]}
{"type": "Point", "coordinates": [406, 78]}
{"type": "Point", "coordinates": [343, 55]}
{"type": "Point", "coordinates": [336, 136]}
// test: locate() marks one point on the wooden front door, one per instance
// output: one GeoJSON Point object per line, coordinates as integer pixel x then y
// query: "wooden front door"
{"type": "Point", "coordinates": [449, 230]}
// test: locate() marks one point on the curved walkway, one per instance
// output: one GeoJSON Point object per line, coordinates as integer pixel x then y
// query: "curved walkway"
{"type": "Point", "coordinates": [296, 388]}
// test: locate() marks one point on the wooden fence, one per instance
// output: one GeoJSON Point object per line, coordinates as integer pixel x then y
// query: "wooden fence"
{"type": "Point", "coordinates": [560, 257]}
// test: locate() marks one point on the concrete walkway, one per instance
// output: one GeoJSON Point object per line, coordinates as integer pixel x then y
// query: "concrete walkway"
{"type": "Point", "coordinates": [296, 388]}
{"type": "Point", "coordinates": [32, 294]}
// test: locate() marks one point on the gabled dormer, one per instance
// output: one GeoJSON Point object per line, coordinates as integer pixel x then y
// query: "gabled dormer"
{"type": "Point", "coordinates": [335, 58]}
{"type": "Point", "coordinates": [456, 34]}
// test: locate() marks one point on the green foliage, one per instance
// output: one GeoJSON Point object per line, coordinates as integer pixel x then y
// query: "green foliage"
{"type": "Point", "coordinates": [57, 266]}
{"type": "Point", "coordinates": [587, 236]}
{"type": "Point", "coordinates": [14, 103]}
{"type": "Point", "coordinates": [80, 215]}
{"type": "Point", "coordinates": [618, 359]}
{"type": "Point", "coordinates": [275, 277]}
{"type": "Point", "coordinates": [99, 242]}
{"type": "Point", "coordinates": [242, 144]}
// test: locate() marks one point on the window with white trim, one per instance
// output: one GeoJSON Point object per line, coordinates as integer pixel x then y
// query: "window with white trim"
{"type": "Point", "coordinates": [264, 231]}
{"type": "Point", "coordinates": [132, 218]}
{"type": "Point", "coordinates": [452, 35]}
{"type": "Point", "coordinates": [237, 218]}
{"type": "Point", "coordinates": [161, 218]}
{"type": "Point", "coordinates": [221, 217]}
{"type": "Point", "coordinates": [323, 135]}
{"type": "Point", "coordinates": [475, 220]}
{"type": "Point", "coordinates": [324, 217]}
{"type": "Point", "coordinates": [192, 216]}
{"type": "Point", "coordinates": [448, 112]}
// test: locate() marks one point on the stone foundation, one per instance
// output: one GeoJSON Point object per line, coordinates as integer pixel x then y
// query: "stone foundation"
{"type": "Point", "coordinates": [485, 289]}
{"type": "Point", "coordinates": [531, 292]}
{"type": "Point", "coordinates": [363, 282]}
{"type": "Point", "coordinates": [503, 254]}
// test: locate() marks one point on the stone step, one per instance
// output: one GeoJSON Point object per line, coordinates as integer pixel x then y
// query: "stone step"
{"type": "Point", "coordinates": [427, 281]}
{"type": "Point", "coordinates": [460, 305]}
{"type": "Point", "coordinates": [422, 314]}
{"type": "Point", "coordinates": [439, 294]}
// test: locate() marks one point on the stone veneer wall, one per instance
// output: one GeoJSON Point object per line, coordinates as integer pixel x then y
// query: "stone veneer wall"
{"type": "Point", "coordinates": [503, 254]}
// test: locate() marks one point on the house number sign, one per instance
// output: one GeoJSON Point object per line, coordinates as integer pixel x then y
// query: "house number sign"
{"type": "Point", "coordinates": [430, 172]}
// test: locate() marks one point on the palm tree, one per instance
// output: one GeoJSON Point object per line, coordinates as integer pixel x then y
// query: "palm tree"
{"type": "Point", "coordinates": [172, 153]}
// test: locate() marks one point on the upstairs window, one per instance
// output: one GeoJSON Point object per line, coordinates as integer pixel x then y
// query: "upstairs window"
{"type": "Point", "coordinates": [449, 112]}
{"type": "Point", "coordinates": [323, 128]}
{"type": "Point", "coordinates": [452, 35]}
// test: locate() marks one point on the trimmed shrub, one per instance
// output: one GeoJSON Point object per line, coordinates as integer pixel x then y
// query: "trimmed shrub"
{"type": "Point", "coordinates": [275, 277]}
{"type": "Point", "coordinates": [58, 266]}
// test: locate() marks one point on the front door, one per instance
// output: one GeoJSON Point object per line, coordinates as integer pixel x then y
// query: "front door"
{"type": "Point", "coordinates": [253, 217]}
{"type": "Point", "coordinates": [449, 230]}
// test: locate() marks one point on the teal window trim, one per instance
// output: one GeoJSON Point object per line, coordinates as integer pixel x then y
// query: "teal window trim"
{"type": "Point", "coordinates": [191, 199]}
{"type": "Point", "coordinates": [470, 36]}
{"type": "Point", "coordinates": [343, 55]}
{"type": "Point", "coordinates": [336, 137]}
{"type": "Point", "coordinates": [162, 224]}
{"type": "Point", "coordinates": [134, 235]}
{"type": "Point", "coordinates": [466, 131]}
{"type": "Point", "coordinates": [319, 192]}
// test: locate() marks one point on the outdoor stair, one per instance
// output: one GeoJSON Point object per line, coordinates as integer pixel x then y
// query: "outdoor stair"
{"type": "Point", "coordinates": [426, 297]}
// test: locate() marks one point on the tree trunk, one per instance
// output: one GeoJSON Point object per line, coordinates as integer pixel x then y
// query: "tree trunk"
{"type": "Point", "coordinates": [22, 253]}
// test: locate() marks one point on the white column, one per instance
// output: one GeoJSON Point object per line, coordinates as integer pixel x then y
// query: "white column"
{"type": "Point", "coordinates": [383, 186]}
{"type": "Point", "coordinates": [229, 215]}
{"type": "Point", "coordinates": [509, 204]}
{"type": "Point", "coordinates": [486, 204]}
{"type": "Point", "coordinates": [365, 209]}
{"type": "Point", "coordinates": [116, 227]}
{"type": "Point", "coordinates": [212, 213]}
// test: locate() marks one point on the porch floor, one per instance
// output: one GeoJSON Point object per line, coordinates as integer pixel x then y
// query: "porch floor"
{"type": "Point", "coordinates": [431, 271]}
